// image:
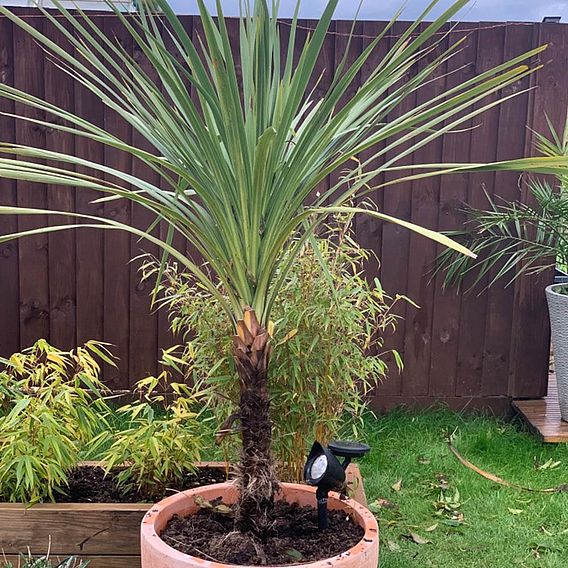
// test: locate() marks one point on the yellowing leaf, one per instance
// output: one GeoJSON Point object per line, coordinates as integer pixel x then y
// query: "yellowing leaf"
{"type": "Point", "coordinates": [289, 336]}
{"type": "Point", "coordinates": [515, 511]}
{"type": "Point", "coordinates": [397, 486]}
{"type": "Point", "coordinates": [56, 359]}
{"type": "Point", "coordinates": [432, 528]}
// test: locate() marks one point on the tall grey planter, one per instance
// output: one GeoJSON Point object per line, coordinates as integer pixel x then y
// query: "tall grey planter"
{"type": "Point", "coordinates": [558, 309]}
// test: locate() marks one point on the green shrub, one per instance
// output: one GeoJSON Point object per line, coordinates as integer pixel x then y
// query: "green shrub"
{"type": "Point", "coordinates": [158, 446]}
{"type": "Point", "coordinates": [52, 407]}
{"type": "Point", "coordinates": [328, 331]}
{"type": "Point", "coordinates": [45, 562]}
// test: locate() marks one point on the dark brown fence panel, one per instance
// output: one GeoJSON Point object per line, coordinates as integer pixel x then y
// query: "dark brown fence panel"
{"type": "Point", "coordinates": [471, 350]}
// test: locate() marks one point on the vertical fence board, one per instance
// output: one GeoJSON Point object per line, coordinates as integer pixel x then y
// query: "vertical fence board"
{"type": "Point", "coordinates": [33, 258]}
{"type": "Point", "coordinates": [89, 274]}
{"type": "Point", "coordinates": [483, 149]}
{"type": "Point", "coordinates": [143, 334]}
{"type": "Point", "coordinates": [370, 229]}
{"type": "Point", "coordinates": [422, 252]}
{"type": "Point", "coordinates": [511, 136]}
{"type": "Point", "coordinates": [395, 243]}
{"type": "Point", "coordinates": [117, 243]}
{"type": "Point", "coordinates": [166, 338]}
{"type": "Point", "coordinates": [346, 52]}
{"type": "Point", "coordinates": [321, 81]}
{"type": "Point", "coordinates": [59, 89]}
{"type": "Point", "coordinates": [9, 271]}
{"type": "Point", "coordinates": [453, 194]}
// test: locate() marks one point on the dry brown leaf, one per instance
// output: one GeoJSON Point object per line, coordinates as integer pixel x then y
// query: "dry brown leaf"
{"type": "Point", "coordinates": [559, 489]}
{"type": "Point", "coordinates": [216, 507]}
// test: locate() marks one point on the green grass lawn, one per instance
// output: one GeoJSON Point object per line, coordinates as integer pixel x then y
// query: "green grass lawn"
{"type": "Point", "coordinates": [483, 525]}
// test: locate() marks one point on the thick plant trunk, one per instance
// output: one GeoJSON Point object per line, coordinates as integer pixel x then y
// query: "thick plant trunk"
{"type": "Point", "coordinates": [257, 476]}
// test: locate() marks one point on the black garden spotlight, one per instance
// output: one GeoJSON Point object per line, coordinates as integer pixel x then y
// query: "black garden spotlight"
{"type": "Point", "coordinates": [324, 471]}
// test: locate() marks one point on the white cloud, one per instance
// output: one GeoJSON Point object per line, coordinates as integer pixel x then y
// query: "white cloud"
{"type": "Point", "coordinates": [479, 10]}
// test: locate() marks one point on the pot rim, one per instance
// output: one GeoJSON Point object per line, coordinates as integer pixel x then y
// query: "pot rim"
{"type": "Point", "coordinates": [553, 287]}
{"type": "Point", "coordinates": [360, 514]}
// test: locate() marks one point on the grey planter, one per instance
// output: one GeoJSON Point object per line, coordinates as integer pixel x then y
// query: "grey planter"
{"type": "Point", "coordinates": [558, 309]}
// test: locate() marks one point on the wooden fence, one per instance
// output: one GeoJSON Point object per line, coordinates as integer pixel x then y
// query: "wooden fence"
{"type": "Point", "coordinates": [465, 350]}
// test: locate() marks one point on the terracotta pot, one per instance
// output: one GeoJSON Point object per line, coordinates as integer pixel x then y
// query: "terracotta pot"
{"type": "Point", "coordinates": [157, 554]}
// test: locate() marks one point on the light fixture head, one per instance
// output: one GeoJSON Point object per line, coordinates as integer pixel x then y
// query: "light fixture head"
{"type": "Point", "coordinates": [323, 469]}
{"type": "Point", "coordinates": [551, 19]}
{"type": "Point", "coordinates": [348, 449]}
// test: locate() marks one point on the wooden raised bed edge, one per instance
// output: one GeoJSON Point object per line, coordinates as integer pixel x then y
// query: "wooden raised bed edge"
{"type": "Point", "coordinates": [106, 534]}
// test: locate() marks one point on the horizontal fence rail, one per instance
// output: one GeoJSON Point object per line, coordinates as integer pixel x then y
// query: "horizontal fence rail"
{"type": "Point", "coordinates": [474, 350]}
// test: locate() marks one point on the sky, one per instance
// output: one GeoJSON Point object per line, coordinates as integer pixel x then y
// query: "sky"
{"type": "Point", "coordinates": [478, 10]}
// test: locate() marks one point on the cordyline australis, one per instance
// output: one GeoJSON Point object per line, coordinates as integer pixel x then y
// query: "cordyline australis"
{"type": "Point", "coordinates": [239, 158]}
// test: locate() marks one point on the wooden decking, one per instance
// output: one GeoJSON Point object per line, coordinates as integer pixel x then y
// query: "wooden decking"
{"type": "Point", "coordinates": [543, 415]}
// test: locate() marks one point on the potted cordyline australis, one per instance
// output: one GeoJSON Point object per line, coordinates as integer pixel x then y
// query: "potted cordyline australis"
{"type": "Point", "coordinates": [240, 158]}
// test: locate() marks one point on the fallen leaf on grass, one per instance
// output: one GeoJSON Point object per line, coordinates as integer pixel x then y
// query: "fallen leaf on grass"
{"type": "Point", "coordinates": [550, 464]}
{"type": "Point", "coordinates": [456, 520]}
{"type": "Point", "coordinates": [416, 538]}
{"type": "Point", "coordinates": [380, 503]}
{"type": "Point", "coordinates": [397, 486]}
{"type": "Point", "coordinates": [443, 482]}
{"type": "Point", "coordinates": [393, 546]}
{"type": "Point", "coordinates": [515, 511]}
{"type": "Point", "coordinates": [447, 503]}
{"type": "Point", "coordinates": [431, 528]}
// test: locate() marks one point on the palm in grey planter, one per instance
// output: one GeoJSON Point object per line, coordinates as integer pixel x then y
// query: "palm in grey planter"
{"type": "Point", "coordinates": [557, 296]}
{"type": "Point", "coordinates": [512, 239]}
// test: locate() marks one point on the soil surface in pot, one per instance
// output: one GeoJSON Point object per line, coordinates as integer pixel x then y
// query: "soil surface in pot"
{"type": "Point", "coordinates": [295, 539]}
{"type": "Point", "coordinates": [88, 484]}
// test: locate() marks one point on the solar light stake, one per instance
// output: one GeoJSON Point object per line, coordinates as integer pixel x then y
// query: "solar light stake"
{"type": "Point", "coordinates": [321, 496]}
{"type": "Point", "coordinates": [324, 471]}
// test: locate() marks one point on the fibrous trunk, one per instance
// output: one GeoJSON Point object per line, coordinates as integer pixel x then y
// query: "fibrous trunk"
{"type": "Point", "coordinates": [257, 477]}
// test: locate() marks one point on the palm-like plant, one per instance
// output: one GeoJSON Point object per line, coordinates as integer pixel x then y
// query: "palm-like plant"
{"type": "Point", "coordinates": [515, 238]}
{"type": "Point", "coordinates": [239, 158]}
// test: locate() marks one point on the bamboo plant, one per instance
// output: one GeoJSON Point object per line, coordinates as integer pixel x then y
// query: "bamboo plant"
{"type": "Point", "coordinates": [240, 156]}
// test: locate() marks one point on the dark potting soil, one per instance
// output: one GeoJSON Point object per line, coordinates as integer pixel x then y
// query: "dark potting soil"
{"type": "Point", "coordinates": [295, 538]}
{"type": "Point", "coordinates": [88, 484]}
